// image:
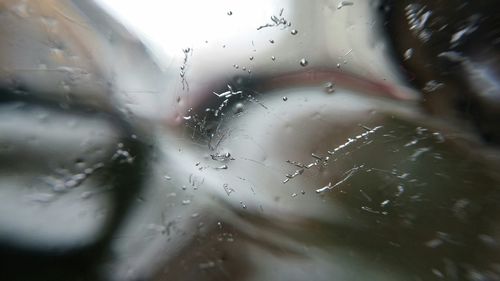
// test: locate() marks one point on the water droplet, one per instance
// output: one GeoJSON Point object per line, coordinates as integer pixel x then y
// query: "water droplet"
{"type": "Point", "coordinates": [167, 177]}
{"type": "Point", "coordinates": [285, 98]}
{"type": "Point", "coordinates": [243, 205]}
{"type": "Point", "coordinates": [432, 86]}
{"type": "Point", "coordinates": [86, 195]}
{"type": "Point", "coordinates": [244, 68]}
{"type": "Point", "coordinates": [186, 202]}
{"type": "Point", "coordinates": [434, 243]}
{"type": "Point", "coordinates": [229, 13]}
{"type": "Point", "coordinates": [294, 32]}
{"type": "Point", "coordinates": [330, 87]}
{"type": "Point", "coordinates": [186, 50]}
{"type": "Point", "coordinates": [186, 117]}
{"type": "Point", "coordinates": [400, 190]}
{"type": "Point", "coordinates": [271, 41]}
{"type": "Point", "coordinates": [303, 62]}
{"type": "Point", "coordinates": [250, 58]}
{"type": "Point", "coordinates": [338, 65]}
{"type": "Point", "coordinates": [438, 273]}
{"type": "Point", "coordinates": [223, 167]}
{"type": "Point", "coordinates": [384, 203]}
{"type": "Point", "coordinates": [228, 189]}
{"type": "Point", "coordinates": [439, 137]}
{"type": "Point", "coordinates": [273, 57]}
{"type": "Point", "coordinates": [343, 4]}
{"type": "Point", "coordinates": [238, 108]}
{"type": "Point", "coordinates": [71, 183]}
{"type": "Point", "coordinates": [408, 54]}
{"type": "Point", "coordinates": [294, 194]}
{"type": "Point", "coordinates": [236, 66]}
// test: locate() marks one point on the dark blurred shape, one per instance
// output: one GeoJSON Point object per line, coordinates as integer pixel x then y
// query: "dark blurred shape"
{"type": "Point", "coordinates": [40, 137]}
{"type": "Point", "coordinates": [455, 57]}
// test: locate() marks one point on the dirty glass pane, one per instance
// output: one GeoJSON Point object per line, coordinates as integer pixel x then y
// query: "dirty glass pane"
{"type": "Point", "coordinates": [249, 140]}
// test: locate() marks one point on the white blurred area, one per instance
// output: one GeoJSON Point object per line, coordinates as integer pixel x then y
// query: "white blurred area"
{"type": "Point", "coordinates": [170, 26]}
{"type": "Point", "coordinates": [208, 26]}
{"type": "Point", "coordinates": [223, 34]}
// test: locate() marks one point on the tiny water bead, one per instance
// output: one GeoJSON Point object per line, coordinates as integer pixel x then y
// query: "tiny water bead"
{"type": "Point", "coordinates": [303, 62]}
{"type": "Point", "coordinates": [329, 87]}
{"type": "Point", "coordinates": [285, 98]}
{"type": "Point", "coordinates": [243, 205]}
{"type": "Point", "coordinates": [238, 108]}
{"type": "Point", "coordinates": [294, 32]}
{"type": "Point", "coordinates": [229, 13]}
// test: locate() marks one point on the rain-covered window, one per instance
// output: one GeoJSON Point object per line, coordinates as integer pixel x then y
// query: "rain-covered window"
{"type": "Point", "coordinates": [250, 140]}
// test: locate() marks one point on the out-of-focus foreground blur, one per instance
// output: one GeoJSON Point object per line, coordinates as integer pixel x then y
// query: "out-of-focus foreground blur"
{"type": "Point", "coordinates": [249, 140]}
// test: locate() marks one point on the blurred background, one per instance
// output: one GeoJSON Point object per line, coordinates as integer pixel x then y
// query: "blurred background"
{"type": "Point", "coordinates": [249, 140]}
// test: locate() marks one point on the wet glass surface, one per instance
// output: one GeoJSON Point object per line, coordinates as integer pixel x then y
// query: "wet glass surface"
{"type": "Point", "coordinates": [263, 140]}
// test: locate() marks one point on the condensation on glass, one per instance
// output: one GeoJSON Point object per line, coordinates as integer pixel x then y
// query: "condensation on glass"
{"type": "Point", "coordinates": [259, 140]}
